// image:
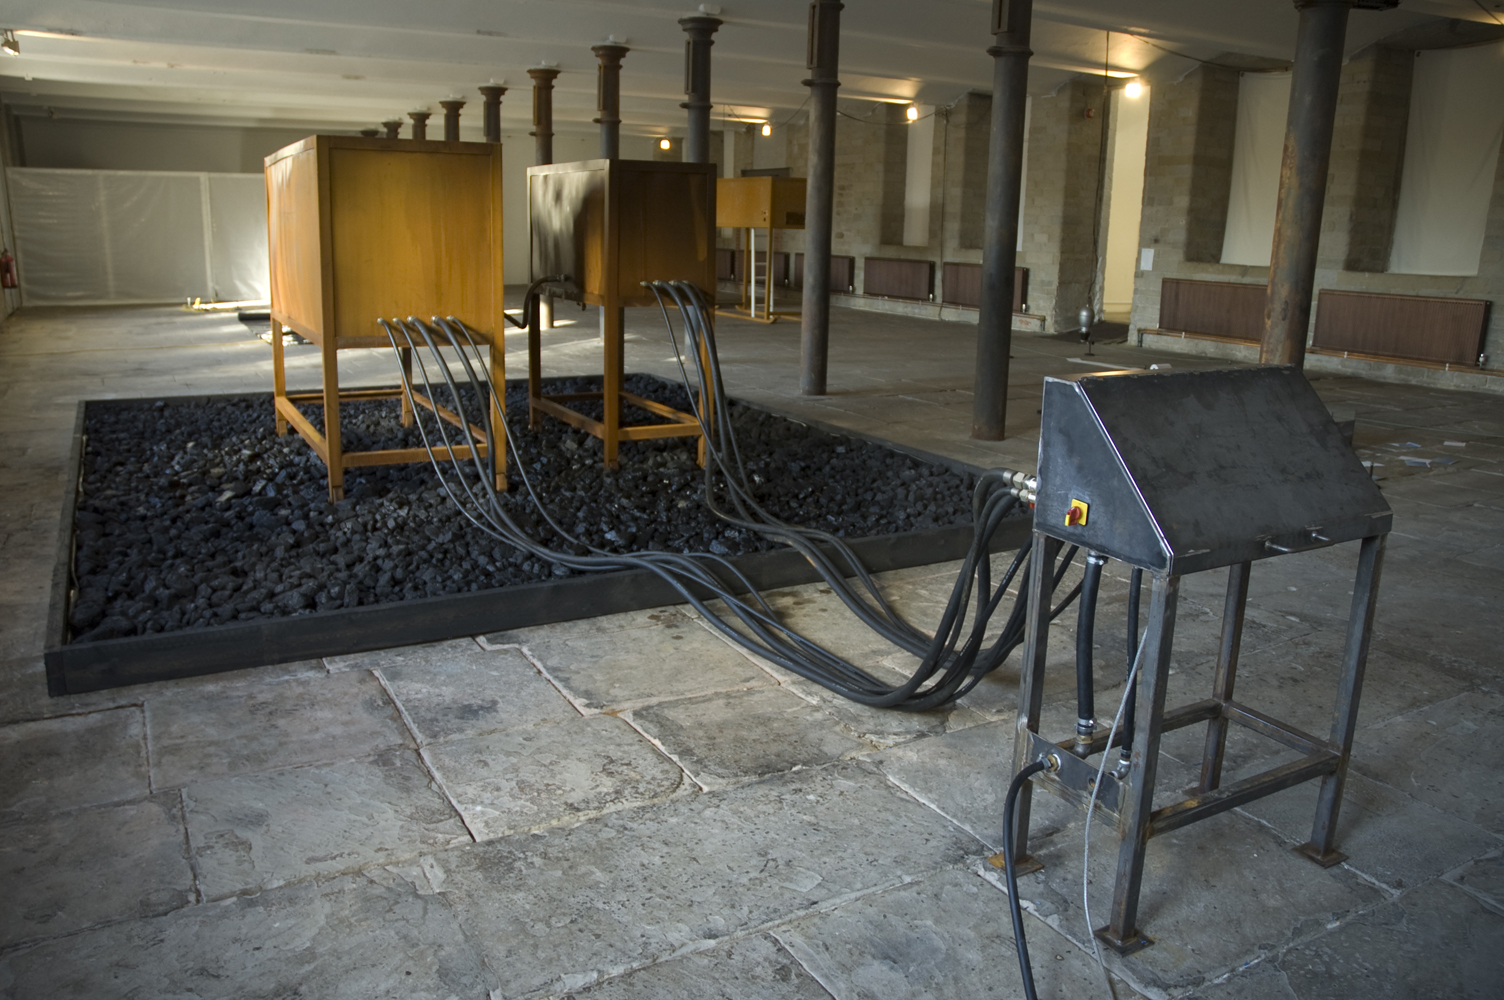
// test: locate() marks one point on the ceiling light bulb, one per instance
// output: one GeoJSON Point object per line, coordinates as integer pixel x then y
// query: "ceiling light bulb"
{"type": "Point", "coordinates": [665, 144]}
{"type": "Point", "coordinates": [1133, 89]}
{"type": "Point", "coordinates": [767, 130]}
{"type": "Point", "coordinates": [913, 113]}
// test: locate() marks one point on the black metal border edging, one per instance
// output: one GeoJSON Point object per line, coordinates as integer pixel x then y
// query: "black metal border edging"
{"type": "Point", "coordinates": [108, 663]}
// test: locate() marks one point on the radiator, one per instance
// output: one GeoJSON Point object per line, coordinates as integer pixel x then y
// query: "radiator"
{"type": "Point", "coordinates": [1223, 310]}
{"type": "Point", "coordinates": [1402, 327]}
{"type": "Point", "coordinates": [961, 285]}
{"type": "Point", "coordinates": [893, 278]}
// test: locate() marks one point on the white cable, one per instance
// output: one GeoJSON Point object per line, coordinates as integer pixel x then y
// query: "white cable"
{"type": "Point", "coordinates": [1091, 933]}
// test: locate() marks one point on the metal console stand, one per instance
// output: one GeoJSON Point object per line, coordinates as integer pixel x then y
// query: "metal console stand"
{"type": "Point", "coordinates": [1120, 446]}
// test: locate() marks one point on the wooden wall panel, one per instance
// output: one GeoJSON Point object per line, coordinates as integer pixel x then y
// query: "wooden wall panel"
{"type": "Point", "coordinates": [895, 278]}
{"type": "Point", "coordinates": [961, 285]}
{"type": "Point", "coordinates": [1223, 309]}
{"type": "Point", "coordinates": [1405, 327]}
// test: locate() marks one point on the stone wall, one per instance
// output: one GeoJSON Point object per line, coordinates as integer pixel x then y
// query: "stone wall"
{"type": "Point", "coordinates": [1189, 163]}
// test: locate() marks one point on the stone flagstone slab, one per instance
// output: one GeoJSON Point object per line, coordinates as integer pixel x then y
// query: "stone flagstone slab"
{"type": "Point", "coordinates": [724, 738]}
{"type": "Point", "coordinates": [347, 939]}
{"type": "Point", "coordinates": [1216, 895]}
{"type": "Point", "coordinates": [1432, 943]}
{"type": "Point", "coordinates": [1483, 878]}
{"type": "Point", "coordinates": [1446, 755]}
{"type": "Point", "coordinates": [613, 670]}
{"type": "Point", "coordinates": [258, 831]}
{"type": "Point", "coordinates": [754, 968]}
{"type": "Point", "coordinates": [527, 779]}
{"type": "Point", "coordinates": [455, 689]}
{"type": "Point", "coordinates": [571, 906]}
{"type": "Point", "coordinates": [62, 873]}
{"type": "Point", "coordinates": [1388, 836]}
{"type": "Point", "coordinates": [948, 937]}
{"type": "Point", "coordinates": [207, 733]}
{"type": "Point", "coordinates": [72, 761]}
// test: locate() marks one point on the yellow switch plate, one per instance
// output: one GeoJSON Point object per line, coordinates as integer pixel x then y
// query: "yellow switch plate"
{"type": "Point", "coordinates": [1075, 517]}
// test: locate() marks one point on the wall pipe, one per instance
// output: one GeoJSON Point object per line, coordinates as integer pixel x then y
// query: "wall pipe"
{"type": "Point", "coordinates": [1302, 175]}
{"type": "Point", "coordinates": [608, 97]}
{"type": "Point", "coordinates": [490, 112]}
{"type": "Point", "coordinates": [819, 200]}
{"type": "Point", "coordinates": [1011, 24]}
{"type": "Point", "coordinates": [699, 28]}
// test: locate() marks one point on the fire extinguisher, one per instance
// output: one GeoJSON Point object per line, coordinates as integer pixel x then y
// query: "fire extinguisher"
{"type": "Point", "coordinates": [8, 277]}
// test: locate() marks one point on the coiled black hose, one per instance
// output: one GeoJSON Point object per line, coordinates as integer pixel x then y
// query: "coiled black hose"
{"type": "Point", "coordinates": [953, 660]}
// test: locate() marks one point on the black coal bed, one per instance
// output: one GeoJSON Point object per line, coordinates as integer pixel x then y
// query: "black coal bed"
{"type": "Point", "coordinates": [198, 541]}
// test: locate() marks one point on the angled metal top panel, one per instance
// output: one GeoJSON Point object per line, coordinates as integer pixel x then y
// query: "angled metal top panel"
{"type": "Point", "coordinates": [1192, 470]}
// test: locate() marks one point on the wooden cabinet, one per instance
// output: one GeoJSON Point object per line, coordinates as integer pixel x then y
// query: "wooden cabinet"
{"type": "Point", "coordinates": [607, 226]}
{"type": "Point", "coordinates": [749, 204]}
{"type": "Point", "coordinates": [760, 202]}
{"type": "Point", "coordinates": [363, 229]}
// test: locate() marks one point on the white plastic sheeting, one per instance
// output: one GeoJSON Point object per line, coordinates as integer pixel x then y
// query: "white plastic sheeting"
{"type": "Point", "coordinates": [1451, 158]}
{"type": "Point", "coordinates": [86, 237]}
{"type": "Point", "coordinates": [1258, 147]}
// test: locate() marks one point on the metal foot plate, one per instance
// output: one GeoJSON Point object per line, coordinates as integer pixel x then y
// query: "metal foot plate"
{"type": "Point", "coordinates": [1123, 946]}
{"type": "Point", "coordinates": [1326, 860]}
{"type": "Point", "coordinates": [1027, 866]}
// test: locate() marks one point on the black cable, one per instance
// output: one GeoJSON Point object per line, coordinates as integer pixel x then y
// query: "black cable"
{"type": "Point", "coordinates": [953, 660]}
{"type": "Point", "coordinates": [1011, 876]}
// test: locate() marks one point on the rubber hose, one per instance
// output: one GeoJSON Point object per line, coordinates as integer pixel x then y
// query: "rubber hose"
{"type": "Point", "coordinates": [1091, 582]}
{"type": "Point", "coordinates": [1024, 968]}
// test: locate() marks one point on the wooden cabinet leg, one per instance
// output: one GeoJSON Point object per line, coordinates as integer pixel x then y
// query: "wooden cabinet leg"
{"type": "Point", "coordinates": [279, 378]}
{"type": "Point", "coordinates": [613, 331]}
{"type": "Point", "coordinates": [496, 449]}
{"type": "Point", "coordinates": [330, 360]}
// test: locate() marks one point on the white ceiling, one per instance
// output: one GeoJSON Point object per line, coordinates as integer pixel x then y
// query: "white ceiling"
{"type": "Point", "coordinates": [351, 63]}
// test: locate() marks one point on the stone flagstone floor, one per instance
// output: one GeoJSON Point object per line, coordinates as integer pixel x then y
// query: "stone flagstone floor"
{"type": "Point", "coordinates": [632, 807]}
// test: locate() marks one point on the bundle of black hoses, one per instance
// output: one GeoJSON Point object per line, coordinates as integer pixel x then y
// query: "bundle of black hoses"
{"type": "Point", "coordinates": [953, 660]}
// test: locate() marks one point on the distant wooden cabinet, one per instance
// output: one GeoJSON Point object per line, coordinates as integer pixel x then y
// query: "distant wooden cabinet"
{"type": "Point", "coordinates": [362, 229]}
{"type": "Point", "coordinates": [760, 202]}
{"type": "Point", "coordinates": [606, 226]}
{"type": "Point", "coordinates": [612, 224]}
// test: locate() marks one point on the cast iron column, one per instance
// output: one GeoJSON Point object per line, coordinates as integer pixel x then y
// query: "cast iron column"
{"type": "Point", "coordinates": [1010, 53]}
{"type": "Point", "coordinates": [1302, 175]}
{"type": "Point", "coordinates": [393, 128]}
{"type": "Point", "coordinates": [452, 119]}
{"type": "Point", "coordinates": [543, 113]}
{"type": "Point", "coordinates": [420, 123]}
{"type": "Point", "coordinates": [608, 97]}
{"type": "Point", "coordinates": [490, 112]}
{"type": "Point", "coordinates": [819, 197]}
{"type": "Point", "coordinates": [697, 85]}
{"type": "Point", "coordinates": [543, 135]}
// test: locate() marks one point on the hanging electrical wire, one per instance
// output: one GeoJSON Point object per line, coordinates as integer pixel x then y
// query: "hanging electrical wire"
{"type": "Point", "coordinates": [952, 660]}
